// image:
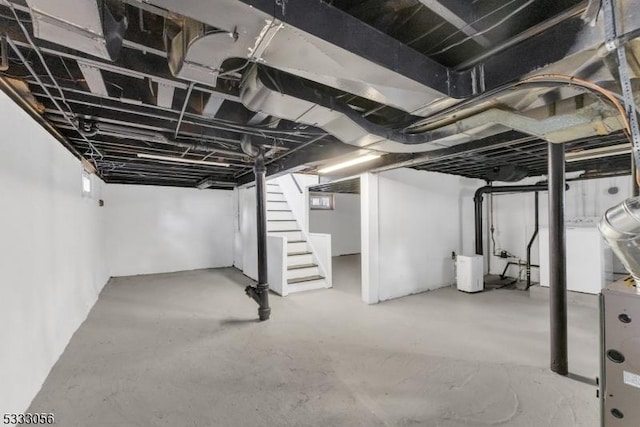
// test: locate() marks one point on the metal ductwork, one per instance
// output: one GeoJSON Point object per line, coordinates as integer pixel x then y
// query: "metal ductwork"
{"type": "Point", "coordinates": [620, 227]}
{"type": "Point", "coordinates": [196, 52]}
{"type": "Point", "coordinates": [266, 33]}
{"type": "Point", "coordinates": [84, 25]}
{"type": "Point", "coordinates": [289, 99]}
{"type": "Point", "coordinates": [337, 50]}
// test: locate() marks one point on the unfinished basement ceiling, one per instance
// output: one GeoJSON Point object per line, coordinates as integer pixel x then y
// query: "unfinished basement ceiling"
{"type": "Point", "coordinates": [162, 92]}
{"type": "Point", "coordinates": [344, 186]}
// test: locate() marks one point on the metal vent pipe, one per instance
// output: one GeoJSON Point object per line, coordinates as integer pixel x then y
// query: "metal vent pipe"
{"type": "Point", "coordinates": [620, 227]}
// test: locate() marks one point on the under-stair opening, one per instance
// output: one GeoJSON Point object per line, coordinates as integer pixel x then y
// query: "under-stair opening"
{"type": "Point", "coordinates": [335, 209]}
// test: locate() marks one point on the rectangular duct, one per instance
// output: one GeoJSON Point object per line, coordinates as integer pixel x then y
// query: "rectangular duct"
{"type": "Point", "coordinates": [165, 95]}
{"type": "Point", "coordinates": [84, 25]}
{"type": "Point", "coordinates": [93, 78]}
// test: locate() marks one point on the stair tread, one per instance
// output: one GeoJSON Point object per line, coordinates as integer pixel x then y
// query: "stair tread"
{"type": "Point", "coordinates": [279, 210]}
{"type": "Point", "coordinates": [297, 241]}
{"type": "Point", "coordinates": [298, 253]}
{"type": "Point", "coordinates": [281, 220]}
{"type": "Point", "coordinates": [274, 192]}
{"type": "Point", "coordinates": [304, 279]}
{"type": "Point", "coordinates": [299, 266]}
{"type": "Point", "coordinates": [282, 231]}
{"type": "Point", "coordinates": [277, 201]}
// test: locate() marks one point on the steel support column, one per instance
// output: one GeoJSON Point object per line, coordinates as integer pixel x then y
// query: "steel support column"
{"type": "Point", "coordinates": [260, 293]}
{"type": "Point", "coordinates": [557, 261]}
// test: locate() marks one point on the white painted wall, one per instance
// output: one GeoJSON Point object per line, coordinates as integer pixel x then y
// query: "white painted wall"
{"type": "Point", "coordinates": [52, 254]}
{"type": "Point", "coordinates": [420, 221]}
{"type": "Point", "coordinates": [248, 241]}
{"type": "Point", "coordinates": [514, 214]}
{"type": "Point", "coordinates": [164, 229]}
{"type": "Point", "coordinates": [342, 223]}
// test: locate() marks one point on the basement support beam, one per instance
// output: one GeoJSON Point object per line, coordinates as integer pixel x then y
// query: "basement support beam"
{"type": "Point", "coordinates": [557, 260]}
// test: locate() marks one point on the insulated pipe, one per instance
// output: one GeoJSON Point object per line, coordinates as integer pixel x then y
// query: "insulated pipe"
{"type": "Point", "coordinates": [557, 261]}
{"type": "Point", "coordinates": [533, 239]}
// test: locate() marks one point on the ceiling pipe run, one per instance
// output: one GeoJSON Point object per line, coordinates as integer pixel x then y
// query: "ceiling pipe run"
{"type": "Point", "coordinates": [489, 189]}
{"type": "Point", "coordinates": [151, 136]}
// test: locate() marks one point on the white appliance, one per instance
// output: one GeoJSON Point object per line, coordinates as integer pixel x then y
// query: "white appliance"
{"type": "Point", "coordinates": [470, 272]}
{"type": "Point", "coordinates": [590, 262]}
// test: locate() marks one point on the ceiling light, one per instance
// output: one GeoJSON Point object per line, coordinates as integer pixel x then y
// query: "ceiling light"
{"type": "Point", "coordinates": [596, 153]}
{"type": "Point", "coordinates": [181, 160]}
{"type": "Point", "coordinates": [208, 182]}
{"type": "Point", "coordinates": [352, 162]}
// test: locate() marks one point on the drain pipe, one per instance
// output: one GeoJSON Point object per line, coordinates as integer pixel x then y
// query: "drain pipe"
{"type": "Point", "coordinates": [260, 292]}
{"type": "Point", "coordinates": [533, 239]}
{"type": "Point", "coordinates": [488, 189]}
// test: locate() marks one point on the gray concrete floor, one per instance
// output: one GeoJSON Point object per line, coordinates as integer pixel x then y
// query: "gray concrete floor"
{"type": "Point", "coordinates": [184, 349]}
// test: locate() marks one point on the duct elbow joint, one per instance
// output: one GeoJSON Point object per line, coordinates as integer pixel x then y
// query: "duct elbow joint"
{"type": "Point", "coordinates": [620, 227]}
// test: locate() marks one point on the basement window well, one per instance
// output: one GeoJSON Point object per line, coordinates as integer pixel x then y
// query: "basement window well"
{"type": "Point", "coordinates": [86, 184]}
{"type": "Point", "coordinates": [321, 201]}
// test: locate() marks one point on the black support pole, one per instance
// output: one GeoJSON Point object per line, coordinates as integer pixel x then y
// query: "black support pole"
{"type": "Point", "coordinates": [557, 261]}
{"type": "Point", "coordinates": [260, 293]}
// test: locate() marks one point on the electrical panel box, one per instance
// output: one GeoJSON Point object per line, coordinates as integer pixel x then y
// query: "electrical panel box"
{"type": "Point", "coordinates": [470, 273]}
{"type": "Point", "coordinates": [620, 354]}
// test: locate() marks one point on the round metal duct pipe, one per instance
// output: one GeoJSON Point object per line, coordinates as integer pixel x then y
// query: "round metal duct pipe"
{"type": "Point", "coordinates": [620, 227]}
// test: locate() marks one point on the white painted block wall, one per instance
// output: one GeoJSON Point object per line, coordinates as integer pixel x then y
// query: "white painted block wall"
{"type": "Point", "coordinates": [52, 253]}
{"type": "Point", "coordinates": [514, 214]}
{"type": "Point", "coordinates": [342, 223]}
{"type": "Point", "coordinates": [418, 223]}
{"type": "Point", "coordinates": [165, 229]}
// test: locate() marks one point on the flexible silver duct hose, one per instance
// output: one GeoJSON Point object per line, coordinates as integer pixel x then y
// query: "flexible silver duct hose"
{"type": "Point", "coordinates": [620, 227]}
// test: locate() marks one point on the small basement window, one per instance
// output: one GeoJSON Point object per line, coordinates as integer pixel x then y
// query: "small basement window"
{"type": "Point", "coordinates": [321, 201]}
{"type": "Point", "coordinates": [86, 184]}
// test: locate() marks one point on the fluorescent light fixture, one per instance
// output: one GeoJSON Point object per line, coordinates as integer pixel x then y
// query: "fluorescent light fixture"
{"type": "Point", "coordinates": [596, 153]}
{"type": "Point", "coordinates": [348, 163]}
{"type": "Point", "coordinates": [208, 182]}
{"type": "Point", "coordinates": [181, 160]}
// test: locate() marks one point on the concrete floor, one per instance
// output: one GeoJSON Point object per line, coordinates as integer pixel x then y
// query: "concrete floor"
{"type": "Point", "coordinates": [184, 349]}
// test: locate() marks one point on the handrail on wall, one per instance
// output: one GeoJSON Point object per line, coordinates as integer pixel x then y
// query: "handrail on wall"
{"type": "Point", "coordinates": [295, 181]}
